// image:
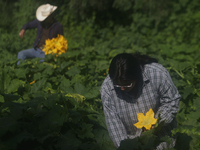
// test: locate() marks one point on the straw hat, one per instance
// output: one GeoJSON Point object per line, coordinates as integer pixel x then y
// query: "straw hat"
{"type": "Point", "coordinates": [44, 11]}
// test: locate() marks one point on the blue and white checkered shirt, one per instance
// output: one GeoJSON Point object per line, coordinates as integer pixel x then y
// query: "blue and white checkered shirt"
{"type": "Point", "coordinates": [157, 92]}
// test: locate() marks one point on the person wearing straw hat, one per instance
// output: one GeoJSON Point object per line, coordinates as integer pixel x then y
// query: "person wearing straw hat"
{"type": "Point", "coordinates": [47, 28]}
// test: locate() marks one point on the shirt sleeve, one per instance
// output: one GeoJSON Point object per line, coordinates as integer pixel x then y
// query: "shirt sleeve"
{"type": "Point", "coordinates": [31, 25]}
{"type": "Point", "coordinates": [115, 127]}
{"type": "Point", "coordinates": [169, 98]}
{"type": "Point", "coordinates": [60, 30]}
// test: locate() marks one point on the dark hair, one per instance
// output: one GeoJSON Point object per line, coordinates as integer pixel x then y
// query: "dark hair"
{"type": "Point", "coordinates": [126, 66]}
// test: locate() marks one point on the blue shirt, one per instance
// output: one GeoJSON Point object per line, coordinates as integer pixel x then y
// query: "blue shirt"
{"type": "Point", "coordinates": [55, 29]}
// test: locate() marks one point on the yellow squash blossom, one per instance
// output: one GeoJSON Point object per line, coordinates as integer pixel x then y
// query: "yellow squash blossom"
{"type": "Point", "coordinates": [32, 82]}
{"type": "Point", "coordinates": [78, 97]}
{"type": "Point", "coordinates": [56, 45]}
{"type": "Point", "coordinates": [146, 121]}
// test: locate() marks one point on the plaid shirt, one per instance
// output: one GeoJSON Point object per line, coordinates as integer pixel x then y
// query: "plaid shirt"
{"type": "Point", "coordinates": [157, 92]}
{"type": "Point", "coordinates": [55, 29]}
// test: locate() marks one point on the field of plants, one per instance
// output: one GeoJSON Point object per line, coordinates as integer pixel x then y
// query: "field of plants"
{"type": "Point", "coordinates": [56, 105]}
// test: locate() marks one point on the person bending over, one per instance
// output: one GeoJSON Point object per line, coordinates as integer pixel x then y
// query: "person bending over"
{"type": "Point", "coordinates": [135, 84]}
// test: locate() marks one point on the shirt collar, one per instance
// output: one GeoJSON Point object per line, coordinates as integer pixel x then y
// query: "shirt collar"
{"type": "Point", "coordinates": [145, 77]}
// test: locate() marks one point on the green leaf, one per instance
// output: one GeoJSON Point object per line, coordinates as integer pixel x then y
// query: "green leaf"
{"type": "Point", "coordinates": [16, 109]}
{"type": "Point", "coordinates": [183, 141]}
{"type": "Point", "coordinates": [35, 103]}
{"type": "Point", "coordinates": [148, 140]}
{"type": "Point", "coordinates": [65, 84]}
{"type": "Point", "coordinates": [73, 71]}
{"type": "Point", "coordinates": [166, 139]}
{"type": "Point", "coordinates": [51, 101]}
{"type": "Point", "coordinates": [181, 105]}
{"type": "Point", "coordinates": [10, 97]}
{"type": "Point", "coordinates": [20, 73]}
{"type": "Point", "coordinates": [93, 93]}
{"type": "Point", "coordinates": [64, 65]}
{"type": "Point", "coordinates": [19, 138]}
{"type": "Point", "coordinates": [103, 139]}
{"type": "Point", "coordinates": [52, 121]}
{"type": "Point", "coordinates": [183, 2]}
{"type": "Point", "coordinates": [1, 99]}
{"type": "Point", "coordinates": [7, 124]}
{"type": "Point", "coordinates": [7, 80]}
{"type": "Point", "coordinates": [187, 90]}
{"type": "Point", "coordinates": [180, 116]}
{"type": "Point", "coordinates": [14, 85]}
{"type": "Point", "coordinates": [80, 89]}
{"type": "Point", "coordinates": [72, 101]}
{"type": "Point", "coordinates": [38, 85]}
{"type": "Point", "coordinates": [194, 115]}
{"type": "Point", "coordinates": [197, 103]}
{"type": "Point", "coordinates": [129, 144]}
{"type": "Point", "coordinates": [78, 97]}
{"type": "Point", "coordinates": [37, 76]}
{"type": "Point", "coordinates": [49, 70]}
{"type": "Point", "coordinates": [40, 94]}
{"type": "Point", "coordinates": [85, 131]}
{"type": "Point", "coordinates": [72, 141]}
{"type": "Point", "coordinates": [101, 65]}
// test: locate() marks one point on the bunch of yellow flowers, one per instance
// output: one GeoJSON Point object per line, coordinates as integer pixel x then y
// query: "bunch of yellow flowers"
{"type": "Point", "coordinates": [56, 45]}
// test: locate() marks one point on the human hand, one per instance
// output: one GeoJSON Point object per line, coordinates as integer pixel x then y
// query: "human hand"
{"type": "Point", "coordinates": [21, 33]}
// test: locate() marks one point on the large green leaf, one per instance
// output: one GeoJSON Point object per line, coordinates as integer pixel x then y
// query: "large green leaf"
{"type": "Point", "coordinates": [85, 131]}
{"type": "Point", "coordinates": [1, 99]}
{"type": "Point", "coordinates": [72, 144]}
{"type": "Point", "coordinates": [80, 88]}
{"type": "Point", "coordinates": [8, 124]}
{"type": "Point", "coordinates": [38, 85]}
{"type": "Point", "coordinates": [64, 65]}
{"type": "Point", "coordinates": [197, 103]}
{"type": "Point", "coordinates": [13, 86]}
{"type": "Point", "coordinates": [73, 71]}
{"type": "Point", "coordinates": [48, 70]}
{"type": "Point", "coordinates": [129, 144]}
{"type": "Point", "coordinates": [187, 90]}
{"type": "Point", "coordinates": [37, 76]}
{"type": "Point", "coordinates": [20, 73]}
{"type": "Point", "coordinates": [183, 141]}
{"type": "Point", "coordinates": [16, 109]}
{"type": "Point", "coordinates": [19, 138]}
{"type": "Point", "coordinates": [11, 97]}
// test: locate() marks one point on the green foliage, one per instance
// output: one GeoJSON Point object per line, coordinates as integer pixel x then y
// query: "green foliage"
{"type": "Point", "coordinates": [45, 123]}
{"type": "Point", "coordinates": [62, 109]}
{"type": "Point", "coordinates": [147, 141]}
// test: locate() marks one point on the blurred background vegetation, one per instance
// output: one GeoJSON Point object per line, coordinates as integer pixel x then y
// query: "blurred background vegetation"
{"type": "Point", "coordinates": [114, 24]}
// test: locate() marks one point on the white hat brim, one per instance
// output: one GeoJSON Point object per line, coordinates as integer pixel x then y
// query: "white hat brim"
{"type": "Point", "coordinates": [39, 15]}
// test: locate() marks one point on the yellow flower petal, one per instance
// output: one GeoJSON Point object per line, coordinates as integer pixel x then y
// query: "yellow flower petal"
{"type": "Point", "coordinates": [54, 51]}
{"type": "Point", "coordinates": [146, 121]}
{"type": "Point", "coordinates": [56, 45]}
{"type": "Point", "coordinates": [32, 82]}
